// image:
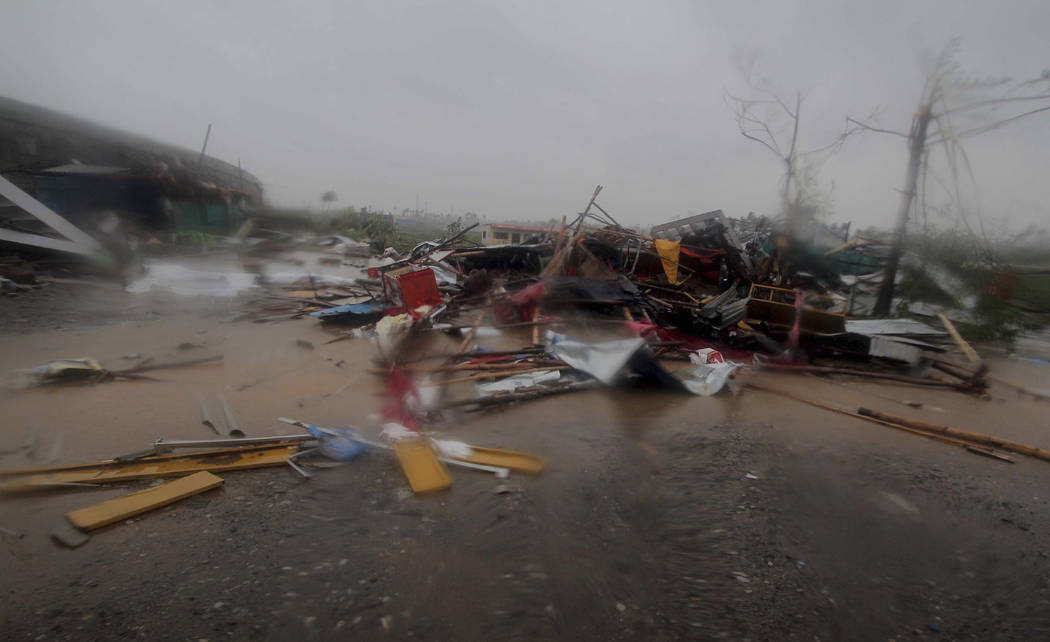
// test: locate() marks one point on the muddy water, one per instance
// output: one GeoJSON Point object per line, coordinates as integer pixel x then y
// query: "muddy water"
{"type": "Point", "coordinates": [263, 374]}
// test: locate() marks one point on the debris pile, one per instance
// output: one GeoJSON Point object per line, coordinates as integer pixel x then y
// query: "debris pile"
{"type": "Point", "coordinates": [698, 306]}
{"type": "Point", "coordinates": [703, 282]}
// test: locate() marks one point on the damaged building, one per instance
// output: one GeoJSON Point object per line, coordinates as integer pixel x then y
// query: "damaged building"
{"type": "Point", "coordinates": [93, 176]}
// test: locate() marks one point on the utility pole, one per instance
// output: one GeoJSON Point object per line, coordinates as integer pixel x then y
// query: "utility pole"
{"type": "Point", "coordinates": [200, 161]}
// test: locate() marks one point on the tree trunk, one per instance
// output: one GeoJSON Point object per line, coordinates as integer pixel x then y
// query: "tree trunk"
{"type": "Point", "coordinates": [916, 148]}
{"type": "Point", "coordinates": [792, 211]}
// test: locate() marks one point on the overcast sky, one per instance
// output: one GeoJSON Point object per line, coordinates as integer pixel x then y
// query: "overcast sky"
{"type": "Point", "coordinates": [517, 109]}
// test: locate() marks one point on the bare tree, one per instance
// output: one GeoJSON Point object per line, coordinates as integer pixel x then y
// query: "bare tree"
{"type": "Point", "coordinates": [953, 106]}
{"type": "Point", "coordinates": [774, 122]}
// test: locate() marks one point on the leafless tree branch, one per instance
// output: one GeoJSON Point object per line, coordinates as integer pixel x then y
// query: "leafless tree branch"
{"type": "Point", "coordinates": [771, 121]}
{"type": "Point", "coordinates": [987, 128]}
{"type": "Point", "coordinates": [995, 102]}
{"type": "Point", "coordinates": [872, 128]}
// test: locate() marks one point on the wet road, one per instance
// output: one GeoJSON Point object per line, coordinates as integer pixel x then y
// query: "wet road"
{"type": "Point", "coordinates": [659, 517]}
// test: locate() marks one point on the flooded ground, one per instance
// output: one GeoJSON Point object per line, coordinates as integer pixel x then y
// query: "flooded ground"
{"type": "Point", "coordinates": [660, 516]}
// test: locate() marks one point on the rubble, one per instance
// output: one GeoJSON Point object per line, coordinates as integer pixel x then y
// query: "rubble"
{"type": "Point", "coordinates": [698, 307]}
{"type": "Point", "coordinates": [173, 465]}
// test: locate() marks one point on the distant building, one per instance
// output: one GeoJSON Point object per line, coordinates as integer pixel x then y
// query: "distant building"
{"type": "Point", "coordinates": [85, 171]}
{"type": "Point", "coordinates": [500, 234]}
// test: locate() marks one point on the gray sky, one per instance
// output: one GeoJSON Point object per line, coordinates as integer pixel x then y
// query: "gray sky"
{"type": "Point", "coordinates": [517, 109]}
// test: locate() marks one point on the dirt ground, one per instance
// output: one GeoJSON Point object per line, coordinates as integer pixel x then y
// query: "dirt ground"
{"type": "Point", "coordinates": [660, 516]}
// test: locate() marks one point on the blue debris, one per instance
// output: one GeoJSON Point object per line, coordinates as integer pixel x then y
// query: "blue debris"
{"type": "Point", "coordinates": [339, 444]}
{"type": "Point", "coordinates": [354, 313]}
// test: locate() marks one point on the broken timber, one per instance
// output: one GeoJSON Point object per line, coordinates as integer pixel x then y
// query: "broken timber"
{"type": "Point", "coordinates": [102, 514]}
{"type": "Point", "coordinates": [519, 461]}
{"type": "Point", "coordinates": [147, 467]}
{"type": "Point", "coordinates": [425, 473]}
{"type": "Point", "coordinates": [946, 434]}
{"type": "Point", "coordinates": [971, 354]}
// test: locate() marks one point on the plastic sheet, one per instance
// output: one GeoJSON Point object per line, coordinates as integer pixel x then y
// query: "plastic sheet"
{"type": "Point", "coordinates": [603, 361]}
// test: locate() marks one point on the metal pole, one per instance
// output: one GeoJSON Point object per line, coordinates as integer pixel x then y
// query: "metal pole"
{"type": "Point", "coordinates": [200, 162]}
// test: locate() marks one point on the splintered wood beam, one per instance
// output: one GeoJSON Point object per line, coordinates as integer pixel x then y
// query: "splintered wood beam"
{"type": "Point", "coordinates": [114, 510]}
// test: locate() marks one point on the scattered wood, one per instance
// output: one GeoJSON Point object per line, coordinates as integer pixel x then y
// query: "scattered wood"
{"type": "Point", "coordinates": [519, 461]}
{"type": "Point", "coordinates": [524, 395]}
{"type": "Point", "coordinates": [988, 452]}
{"type": "Point", "coordinates": [917, 381]}
{"type": "Point", "coordinates": [971, 354]}
{"type": "Point", "coordinates": [420, 464]}
{"type": "Point", "coordinates": [503, 373]}
{"type": "Point", "coordinates": [946, 434]}
{"type": "Point", "coordinates": [461, 367]}
{"type": "Point", "coordinates": [966, 435]}
{"type": "Point", "coordinates": [164, 446]}
{"type": "Point", "coordinates": [175, 465]}
{"type": "Point", "coordinates": [957, 371]}
{"type": "Point", "coordinates": [473, 332]}
{"type": "Point", "coordinates": [167, 365]}
{"type": "Point", "coordinates": [851, 413]}
{"type": "Point", "coordinates": [102, 514]}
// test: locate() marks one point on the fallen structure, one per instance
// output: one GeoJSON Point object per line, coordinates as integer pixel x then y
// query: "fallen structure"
{"type": "Point", "coordinates": [699, 307]}
{"type": "Point", "coordinates": [73, 186]}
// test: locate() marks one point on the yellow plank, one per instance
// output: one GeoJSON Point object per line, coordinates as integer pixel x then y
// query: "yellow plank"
{"type": "Point", "coordinates": [521, 462]}
{"type": "Point", "coordinates": [113, 463]}
{"type": "Point", "coordinates": [421, 466]}
{"type": "Point", "coordinates": [149, 467]}
{"type": "Point", "coordinates": [966, 348]}
{"type": "Point", "coordinates": [91, 517]}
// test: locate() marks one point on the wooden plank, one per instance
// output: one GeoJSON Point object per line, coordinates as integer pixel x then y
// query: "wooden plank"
{"type": "Point", "coordinates": [149, 467]}
{"type": "Point", "coordinates": [941, 433]}
{"type": "Point", "coordinates": [114, 510]}
{"type": "Point", "coordinates": [918, 381]}
{"type": "Point", "coordinates": [473, 331]}
{"type": "Point", "coordinates": [971, 354]}
{"type": "Point", "coordinates": [519, 461]}
{"type": "Point", "coordinates": [988, 452]}
{"type": "Point", "coordinates": [501, 373]}
{"type": "Point", "coordinates": [115, 463]}
{"type": "Point", "coordinates": [958, 433]}
{"type": "Point", "coordinates": [421, 466]}
{"type": "Point", "coordinates": [66, 535]}
{"type": "Point", "coordinates": [850, 413]}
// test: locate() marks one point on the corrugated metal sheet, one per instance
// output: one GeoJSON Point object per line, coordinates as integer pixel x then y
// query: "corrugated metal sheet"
{"type": "Point", "coordinates": [733, 313]}
{"type": "Point", "coordinates": [890, 349]}
{"type": "Point", "coordinates": [902, 327]}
